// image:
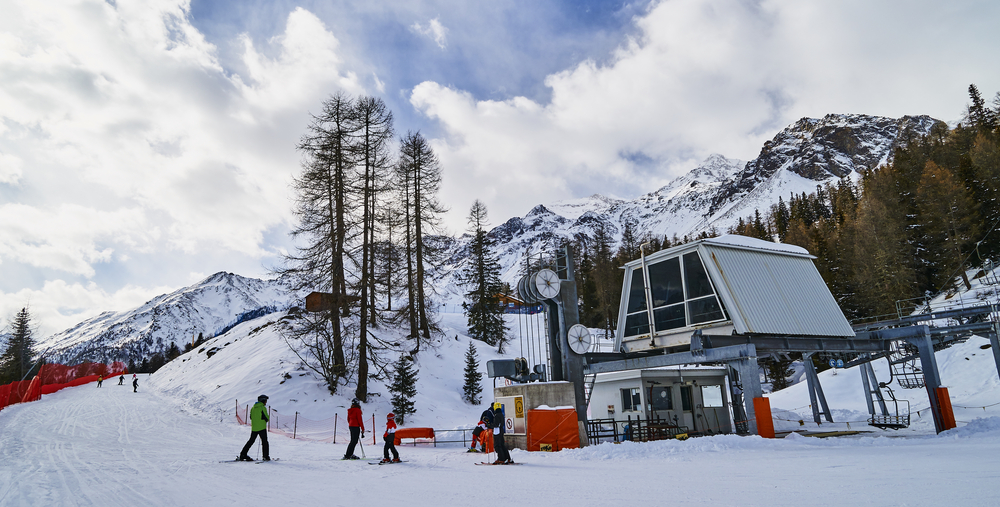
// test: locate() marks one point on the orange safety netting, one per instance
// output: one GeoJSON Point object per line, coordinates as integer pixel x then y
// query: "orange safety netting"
{"type": "Point", "coordinates": [53, 377]}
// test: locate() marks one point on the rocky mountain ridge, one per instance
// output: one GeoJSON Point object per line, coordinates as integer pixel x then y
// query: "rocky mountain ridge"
{"type": "Point", "coordinates": [204, 307]}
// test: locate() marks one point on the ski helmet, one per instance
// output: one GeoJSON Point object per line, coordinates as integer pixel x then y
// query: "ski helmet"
{"type": "Point", "coordinates": [262, 398]}
{"type": "Point", "coordinates": [355, 402]}
{"type": "Point", "coordinates": [497, 406]}
{"type": "Point", "coordinates": [390, 415]}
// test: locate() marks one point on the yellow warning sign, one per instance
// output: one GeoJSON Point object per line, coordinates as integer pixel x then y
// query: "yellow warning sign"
{"type": "Point", "coordinates": [519, 407]}
{"type": "Point", "coordinates": [545, 447]}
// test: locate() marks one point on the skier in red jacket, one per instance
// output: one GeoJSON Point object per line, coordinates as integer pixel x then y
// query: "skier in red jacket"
{"type": "Point", "coordinates": [390, 439]}
{"type": "Point", "coordinates": [357, 427]}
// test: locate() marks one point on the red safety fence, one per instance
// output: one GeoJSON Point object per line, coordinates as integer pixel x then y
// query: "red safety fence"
{"type": "Point", "coordinates": [53, 377]}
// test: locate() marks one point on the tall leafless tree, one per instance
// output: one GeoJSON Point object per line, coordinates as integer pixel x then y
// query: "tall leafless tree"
{"type": "Point", "coordinates": [323, 199]}
{"type": "Point", "coordinates": [375, 133]}
{"type": "Point", "coordinates": [419, 172]}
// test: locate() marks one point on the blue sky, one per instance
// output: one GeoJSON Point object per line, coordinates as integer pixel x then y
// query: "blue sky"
{"type": "Point", "coordinates": [145, 145]}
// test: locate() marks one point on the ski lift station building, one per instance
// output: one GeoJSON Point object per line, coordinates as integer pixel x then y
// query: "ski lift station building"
{"type": "Point", "coordinates": [726, 285]}
{"type": "Point", "coordinates": [725, 288]}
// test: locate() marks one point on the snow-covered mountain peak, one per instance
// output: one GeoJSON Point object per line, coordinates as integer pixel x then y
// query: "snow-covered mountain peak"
{"type": "Point", "coordinates": [178, 316]}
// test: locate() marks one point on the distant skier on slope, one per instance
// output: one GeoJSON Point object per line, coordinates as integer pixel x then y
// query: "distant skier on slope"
{"type": "Point", "coordinates": [121, 379]}
{"type": "Point", "coordinates": [357, 427]}
{"type": "Point", "coordinates": [390, 439]}
{"type": "Point", "coordinates": [100, 378]}
{"type": "Point", "coordinates": [135, 385]}
{"type": "Point", "coordinates": [258, 428]}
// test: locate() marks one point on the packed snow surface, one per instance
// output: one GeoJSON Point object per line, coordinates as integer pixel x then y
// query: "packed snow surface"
{"type": "Point", "coordinates": [110, 446]}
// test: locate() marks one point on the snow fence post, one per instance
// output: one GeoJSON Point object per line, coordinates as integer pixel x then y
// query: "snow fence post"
{"type": "Point", "coordinates": [335, 428]}
{"type": "Point", "coordinates": [295, 425]}
{"type": "Point", "coordinates": [373, 429]}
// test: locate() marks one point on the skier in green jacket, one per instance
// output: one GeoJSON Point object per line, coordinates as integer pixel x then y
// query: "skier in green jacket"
{"type": "Point", "coordinates": [258, 427]}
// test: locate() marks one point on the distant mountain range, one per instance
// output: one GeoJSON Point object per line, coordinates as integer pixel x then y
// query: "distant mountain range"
{"type": "Point", "coordinates": [806, 154]}
{"type": "Point", "coordinates": [205, 307]}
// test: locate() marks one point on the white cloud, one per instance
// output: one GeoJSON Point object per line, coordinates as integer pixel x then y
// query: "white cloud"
{"type": "Point", "coordinates": [10, 169]}
{"type": "Point", "coordinates": [433, 30]}
{"type": "Point", "coordinates": [701, 77]}
{"type": "Point", "coordinates": [59, 305]}
{"type": "Point", "coordinates": [122, 137]}
{"type": "Point", "coordinates": [123, 110]}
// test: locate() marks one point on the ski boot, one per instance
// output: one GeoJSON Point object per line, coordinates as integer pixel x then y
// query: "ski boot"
{"type": "Point", "coordinates": [396, 460]}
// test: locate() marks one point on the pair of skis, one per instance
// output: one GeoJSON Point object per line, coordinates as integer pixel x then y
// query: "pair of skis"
{"type": "Point", "coordinates": [258, 461]}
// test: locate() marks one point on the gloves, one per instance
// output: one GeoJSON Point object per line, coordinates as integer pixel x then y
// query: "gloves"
{"type": "Point", "coordinates": [362, 433]}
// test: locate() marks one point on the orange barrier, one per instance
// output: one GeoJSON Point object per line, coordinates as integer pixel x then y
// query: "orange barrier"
{"type": "Point", "coordinates": [53, 377]}
{"type": "Point", "coordinates": [762, 411]}
{"type": "Point", "coordinates": [556, 428]}
{"type": "Point", "coordinates": [413, 433]}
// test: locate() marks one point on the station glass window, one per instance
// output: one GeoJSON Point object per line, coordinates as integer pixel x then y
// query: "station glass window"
{"type": "Point", "coordinates": [662, 398]}
{"type": "Point", "coordinates": [631, 402]}
{"type": "Point", "coordinates": [636, 320]}
{"type": "Point", "coordinates": [711, 396]}
{"type": "Point", "coordinates": [681, 293]}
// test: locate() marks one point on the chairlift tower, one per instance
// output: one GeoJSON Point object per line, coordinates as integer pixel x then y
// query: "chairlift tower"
{"type": "Point", "coordinates": [550, 281]}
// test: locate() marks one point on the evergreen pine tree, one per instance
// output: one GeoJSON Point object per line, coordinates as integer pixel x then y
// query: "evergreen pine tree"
{"type": "Point", "coordinates": [403, 388]}
{"type": "Point", "coordinates": [16, 361]}
{"type": "Point", "coordinates": [473, 377]}
{"type": "Point", "coordinates": [481, 276]}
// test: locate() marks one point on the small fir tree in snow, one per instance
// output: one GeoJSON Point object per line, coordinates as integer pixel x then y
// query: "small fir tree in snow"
{"type": "Point", "coordinates": [403, 388]}
{"type": "Point", "coordinates": [473, 377]}
{"type": "Point", "coordinates": [16, 360]}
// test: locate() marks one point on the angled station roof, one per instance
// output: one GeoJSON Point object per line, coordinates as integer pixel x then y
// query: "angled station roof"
{"type": "Point", "coordinates": [764, 288]}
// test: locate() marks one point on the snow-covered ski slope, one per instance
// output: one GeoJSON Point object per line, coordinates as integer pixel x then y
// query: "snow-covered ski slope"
{"type": "Point", "coordinates": [86, 446]}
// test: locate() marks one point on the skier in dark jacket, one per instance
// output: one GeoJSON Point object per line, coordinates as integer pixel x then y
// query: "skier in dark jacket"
{"type": "Point", "coordinates": [495, 420]}
{"type": "Point", "coordinates": [357, 427]}
{"type": "Point", "coordinates": [135, 385]}
{"type": "Point", "coordinates": [258, 428]}
{"type": "Point", "coordinates": [121, 379]}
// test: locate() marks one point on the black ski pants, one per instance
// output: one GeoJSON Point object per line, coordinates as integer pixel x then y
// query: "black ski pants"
{"type": "Point", "coordinates": [355, 436]}
{"type": "Point", "coordinates": [263, 442]}
{"type": "Point", "coordinates": [500, 447]}
{"type": "Point", "coordinates": [390, 445]}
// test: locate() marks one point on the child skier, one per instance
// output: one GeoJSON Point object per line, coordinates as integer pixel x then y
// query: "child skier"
{"type": "Point", "coordinates": [390, 439]}
{"type": "Point", "coordinates": [479, 434]}
{"type": "Point", "coordinates": [100, 379]}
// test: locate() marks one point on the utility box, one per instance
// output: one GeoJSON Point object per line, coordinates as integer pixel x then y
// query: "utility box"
{"type": "Point", "coordinates": [521, 399]}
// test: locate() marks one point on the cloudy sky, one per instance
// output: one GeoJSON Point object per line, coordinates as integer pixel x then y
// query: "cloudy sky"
{"type": "Point", "coordinates": [146, 144]}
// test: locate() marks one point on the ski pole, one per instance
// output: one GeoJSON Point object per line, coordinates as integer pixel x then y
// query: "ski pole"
{"type": "Point", "coordinates": [362, 446]}
{"type": "Point", "coordinates": [258, 450]}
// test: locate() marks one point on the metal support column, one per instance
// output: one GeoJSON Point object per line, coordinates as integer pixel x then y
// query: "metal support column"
{"type": "Point", "coordinates": [750, 378]}
{"type": "Point", "coordinates": [995, 342]}
{"type": "Point", "coordinates": [872, 388]}
{"type": "Point", "coordinates": [815, 391]}
{"type": "Point", "coordinates": [928, 365]}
